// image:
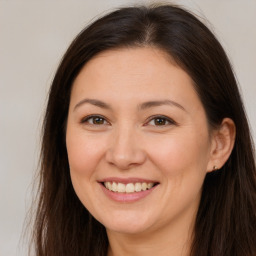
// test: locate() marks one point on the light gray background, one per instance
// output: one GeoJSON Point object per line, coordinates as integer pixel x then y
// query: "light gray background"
{"type": "Point", "coordinates": [33, 36]}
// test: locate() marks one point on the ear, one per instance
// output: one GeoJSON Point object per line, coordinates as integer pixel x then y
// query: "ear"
{"type": "Point", "coordinates": [223, 139]}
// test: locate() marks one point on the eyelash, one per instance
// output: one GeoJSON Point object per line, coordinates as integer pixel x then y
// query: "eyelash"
{"type": "Point", "coordinates": [164, 119]}
{"type": "Point", "coordinates": [93, 117]}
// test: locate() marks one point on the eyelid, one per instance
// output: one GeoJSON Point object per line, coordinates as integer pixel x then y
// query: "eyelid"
{"type": "Point", "coordinates": [151, 118]}
{"type": "Point", "coordinates": [86, 118]}
{"type": "Point", "coordinates": [168, 119]}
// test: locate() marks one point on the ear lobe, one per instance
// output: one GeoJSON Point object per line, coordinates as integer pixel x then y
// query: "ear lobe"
{"type": "Point", "coordinates": [223, 140]}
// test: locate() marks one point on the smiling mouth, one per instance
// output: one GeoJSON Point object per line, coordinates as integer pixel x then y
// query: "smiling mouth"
{"type": "Point", "coordinates": [129, 187]}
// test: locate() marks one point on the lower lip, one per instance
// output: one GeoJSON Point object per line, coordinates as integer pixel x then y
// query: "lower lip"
{"type": "Point", "coordinates": [127, 197]}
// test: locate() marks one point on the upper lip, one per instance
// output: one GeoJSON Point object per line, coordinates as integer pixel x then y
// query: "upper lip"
{"type": "Point", "coordinates": [127, 180]}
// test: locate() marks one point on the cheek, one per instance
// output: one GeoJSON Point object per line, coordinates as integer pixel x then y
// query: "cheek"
{"type": "Point", "coordinates": [180, 153]}
{"type": "Point", "coordinates": [84, 153]}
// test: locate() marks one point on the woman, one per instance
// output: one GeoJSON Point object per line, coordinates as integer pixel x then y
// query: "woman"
{"type": "Point", "coordinates": [146, 148]}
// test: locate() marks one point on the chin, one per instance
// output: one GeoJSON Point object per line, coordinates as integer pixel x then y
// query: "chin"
{"type": "Point", "coordinates": [127, 224]}
{"type": "Point", "coordinates": [126, 229]}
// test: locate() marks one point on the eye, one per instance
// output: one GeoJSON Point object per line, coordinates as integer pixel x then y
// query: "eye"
{"type": "Point", "coordinates": [160, 121]}
{"type": "Point", "coordinates": [95, 120]}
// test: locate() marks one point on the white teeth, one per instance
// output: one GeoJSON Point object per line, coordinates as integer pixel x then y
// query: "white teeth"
{"type": "Point", "coordinates": [120, 187]}
{"type": "Point", "coordinates": [144, 186]}
{"type": "Point", "coordinates": [150, 185]}
{"type": "Point", "coordinates": [108, 185]}
{"type": "Point", "coordinates": [114, 187]}
{"type": "Point", "coordinates": [137, 187]}
{"type": "Point", "coordinates": [128, 188]}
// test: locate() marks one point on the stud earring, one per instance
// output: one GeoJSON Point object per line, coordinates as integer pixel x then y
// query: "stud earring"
{"type": "Point", "coordinates": [215, 168]}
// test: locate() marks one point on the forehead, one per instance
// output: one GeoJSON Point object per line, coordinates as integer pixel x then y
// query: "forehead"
{"type": "Point", "coordinates": [130, 73]}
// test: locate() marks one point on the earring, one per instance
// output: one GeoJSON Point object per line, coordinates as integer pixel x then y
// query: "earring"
{"type": "Point", "coordinates": [215, 168]}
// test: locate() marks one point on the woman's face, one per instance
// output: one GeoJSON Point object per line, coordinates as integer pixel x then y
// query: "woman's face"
{"type": "Point", "coordinates": [138, 142]}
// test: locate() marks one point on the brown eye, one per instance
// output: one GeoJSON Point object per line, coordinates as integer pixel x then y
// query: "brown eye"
{"type": "Point", "coordinates": [160, 121]}
{"type": "Point", "coordinates": [98, 120]}
{"type": "Point", "coordinates": [95, 120]}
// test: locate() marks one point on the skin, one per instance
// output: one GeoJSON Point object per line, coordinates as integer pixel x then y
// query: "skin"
{"type": "Point", "coordinates": [128, 141]}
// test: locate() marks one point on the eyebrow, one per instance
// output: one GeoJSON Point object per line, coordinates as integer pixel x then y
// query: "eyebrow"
{"type": "Point", "coordinates": [150, 104]}
{"type": "Point", "coordinates": [94, 102]}
{"type": "Point", "coordinates": [145, 105]}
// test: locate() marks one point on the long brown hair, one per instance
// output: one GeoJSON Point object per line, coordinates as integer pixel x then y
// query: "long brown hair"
{"type": "Point", "coordinates": [226, 219]}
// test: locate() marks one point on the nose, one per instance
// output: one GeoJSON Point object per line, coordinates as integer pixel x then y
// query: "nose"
{"type": "Point", "coordinates": [125, 149]}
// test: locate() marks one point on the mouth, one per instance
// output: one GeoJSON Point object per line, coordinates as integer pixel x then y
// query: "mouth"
{"type": "Point", "coordinates": [119, 187]}
{"type": "Point", "coordinates": [128, 190]}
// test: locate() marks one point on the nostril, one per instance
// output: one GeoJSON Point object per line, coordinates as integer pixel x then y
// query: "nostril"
{"type": "Point", "coordinates": [125, 159]}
